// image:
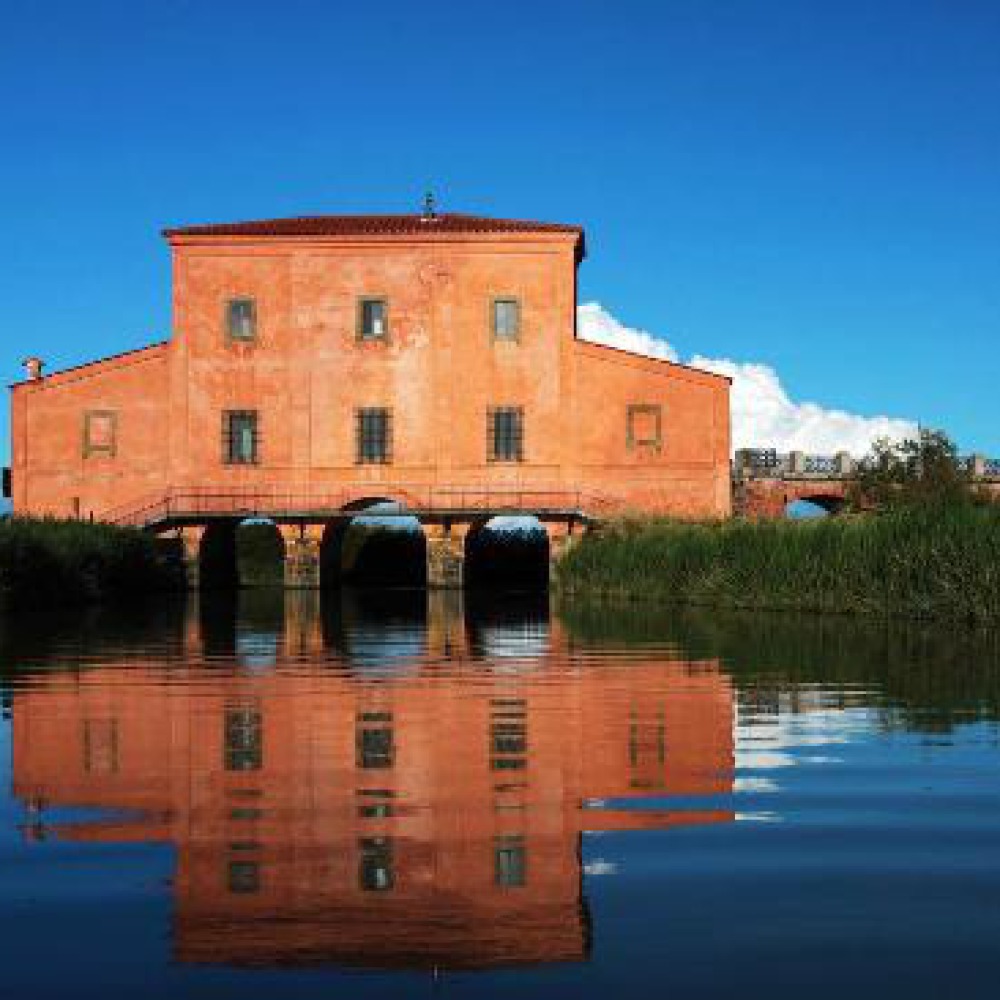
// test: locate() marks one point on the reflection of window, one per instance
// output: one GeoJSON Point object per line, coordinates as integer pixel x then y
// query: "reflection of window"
{"type": "Point", "coordinates": [373, 434]}
{"type": "Point", "coordinates": [100, 746]}
{"type": "Point", "coordinates": [376, 803]}
{"type": "Point", "coordinates": [509, 861]}
{"type": "Point", "coordinates": [100, 433]}
{"type": "Point", "coordinates": [240, 437]}
{"type": "Point", "coordinates": [373, 319]}
{"type": "Point", "coordinates": [241, 319]}
{"type": "Point", "coordinates": [244, 876]}
{"type": "Point", "coordinates": [375, 872]}
{"type": "Point", "coordinates": [506, 319]}
{"type": "Point", "coordinates": [244, 740]}
{"type": "Point", "coordinates": [644, 427]}
{"type": "Point", "coordinates": [375, 746]}
{"type": "Point", "coordinates": [505, 433]}
{"type": "Point", "coordinates": [508, 734]}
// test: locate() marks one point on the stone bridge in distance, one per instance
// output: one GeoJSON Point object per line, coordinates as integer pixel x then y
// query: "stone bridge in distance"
{"type": "Point", "coordinates": [766, 482]}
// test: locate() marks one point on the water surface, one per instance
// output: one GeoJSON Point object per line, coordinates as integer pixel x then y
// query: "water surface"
{"type": "Point", "coordinates": [396, 795]}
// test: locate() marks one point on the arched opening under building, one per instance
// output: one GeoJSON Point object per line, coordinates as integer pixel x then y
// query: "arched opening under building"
{"type": "Point", "coordinates": [234, 554]}
{"type": "Point", "coordinates": [374, 544]}
{"type": "Point", "coordinates": [807, 508]}
{"type": "Point", "coordinates": [260, 554]}
{"type": "Point", "coordinates": [507, 553]}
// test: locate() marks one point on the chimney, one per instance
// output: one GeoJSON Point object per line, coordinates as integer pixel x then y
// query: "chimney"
{"type": "Point", "coordinates": [33, 366]}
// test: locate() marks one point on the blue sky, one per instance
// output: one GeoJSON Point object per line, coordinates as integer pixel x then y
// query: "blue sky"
{"type": "Point", "coordinates": [812, 186]}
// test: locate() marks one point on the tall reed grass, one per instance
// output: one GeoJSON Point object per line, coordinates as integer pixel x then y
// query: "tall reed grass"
{"type": "Point", "coordinates": [45, 561]}
{"type": "Point", "coordinates": [922, 562]}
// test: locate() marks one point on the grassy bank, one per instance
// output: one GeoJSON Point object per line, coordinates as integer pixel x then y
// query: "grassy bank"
{"type": "Point", "coordinates": [928, 563]}
{"type": "Point", "coordinates": [75, 562]}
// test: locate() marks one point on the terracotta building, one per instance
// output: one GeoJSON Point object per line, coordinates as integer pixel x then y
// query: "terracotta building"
{"type": "Point", "coordinates": [420, 817]}
{"type": "Point", "coordinates": [372, 356]}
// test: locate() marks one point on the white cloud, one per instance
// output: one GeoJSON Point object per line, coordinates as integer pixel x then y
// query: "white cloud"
{"type": "Point", "coordinates": [763, 415]}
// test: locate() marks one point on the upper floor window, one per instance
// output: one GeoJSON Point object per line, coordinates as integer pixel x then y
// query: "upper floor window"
{"type": "Point", "coordinates": [100, 433]}
{"type": "Point", "coordinates": [240, 437]}
{"type": "Point", "coordinates": [506, 319]}
{"type": "Point", "coordinates": [505, 433]}
{"type": "Point", "coordinates": [644, 427]}
{"type": "Point", "coordinates": [243, 739]}
{"type": "Point", "coordinates": [373, 319]}
{"type": "Point", "coordinates": [241, 319]}
{"type": "Point", "coordinates": [373, 434]}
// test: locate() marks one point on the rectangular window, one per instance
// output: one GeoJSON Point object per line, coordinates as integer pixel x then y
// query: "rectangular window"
{"type": "Point", "coordinates": [506, 319]}
{"type": "Point", "coordinates": [373, 319]}
{"type": "Point", "coordinates": [244, 740]}
{"type": "Point", "coordinates": [644, 427]}
{"type": "Point", "coordinates": [509, 861]}
{"type": "Point", "coordinates": [375, 868]}
{"type": "Point", "coordinates": [100, 433]}
{"type": "Point", "coordinates": [505, 434]}
{"type": "Point", "coordinates": [241, 319]}
{"type": "Point", "coordinates": [240, 437]}
{"type": "Point", "coordinates": [508, 734]}
{"type": "Point", "coordinates": [373, 436]}
{"type": "Point", "coordinates": [375, 745]}
{"type": "Point", "coordinates": [243, 877]}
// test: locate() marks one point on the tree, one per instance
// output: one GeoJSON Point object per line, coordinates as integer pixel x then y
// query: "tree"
{"type": "Point", "coordinates": [925, 470]}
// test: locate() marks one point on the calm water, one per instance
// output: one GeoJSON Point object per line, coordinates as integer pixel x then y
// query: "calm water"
{"type": "Point", "coordinates": [385, 796]}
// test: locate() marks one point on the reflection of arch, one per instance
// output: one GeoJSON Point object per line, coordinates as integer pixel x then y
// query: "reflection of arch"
{"type": "Point", "coordinates": [507, 552]}
{"type": "Point", "coordinates": [827, 503]}
{"type": "Point", "coordinates": [367, 548]}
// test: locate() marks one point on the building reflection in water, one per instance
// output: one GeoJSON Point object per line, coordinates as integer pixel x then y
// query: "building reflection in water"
{"type": "Point", "coordinates": [376, 785]}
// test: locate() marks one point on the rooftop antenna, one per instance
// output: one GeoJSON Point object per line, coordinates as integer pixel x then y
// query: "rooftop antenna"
{"type": "Point", "coordinates": [428, 214]}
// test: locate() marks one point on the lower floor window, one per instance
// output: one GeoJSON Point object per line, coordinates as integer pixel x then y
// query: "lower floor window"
{"type": "Point", "coordinates": [240, 437]}
{"type": "Point", "coordinates": [505, 434]}
{"type": "Point", "coordinates": [373, 432]}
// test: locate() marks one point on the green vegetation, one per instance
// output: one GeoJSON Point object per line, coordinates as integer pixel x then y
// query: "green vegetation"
{"type": "Point", "coordinates": [926, 546]}
{"type": "Point", "coordinates": [260, 555]}
{"type": "Point", "coordinates": [933, 563]}
{"type": "Point", "coordinates": [76, 562]}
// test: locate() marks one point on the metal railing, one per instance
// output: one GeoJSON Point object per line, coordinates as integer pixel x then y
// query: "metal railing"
{"type": "Point", "coordinates": [274, 502]}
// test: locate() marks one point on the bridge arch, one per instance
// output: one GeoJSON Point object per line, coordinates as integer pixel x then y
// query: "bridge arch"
{"type": "Point", "coordinates": [507, 552]}
{"type": "Point", "coordinates": [814, 505]}
{"type": "Point", "coordinates": [236, 553]}
{"type": "Point", "coordinates": [371, 544]}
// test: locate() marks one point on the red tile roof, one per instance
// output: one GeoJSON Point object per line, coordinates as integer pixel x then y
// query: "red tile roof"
{"type": "Point", "coordinates": [375, 225]}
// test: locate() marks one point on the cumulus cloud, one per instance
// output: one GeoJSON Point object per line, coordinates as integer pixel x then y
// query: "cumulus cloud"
{"type": "Point", "coordinates": [763, 414]}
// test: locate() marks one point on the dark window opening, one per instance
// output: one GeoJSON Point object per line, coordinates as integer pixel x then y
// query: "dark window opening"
{"type": "Point", "coordinates": [375, 745]}
{"type": "Point", "coordinates": [373, 432]}
{"type": "Point", "coordinates": [244, 740]}
{"type": "Point", "coordinates": [505, 432]}
{"type": "Point", "coordinates": [241, 319]}
{"type": "Point", "coordinates": [509, 861]}
{"type": "Point", "coordinates": [240, 437]}
{"type": "Point", "coordinates": [244, 877]}
{"type": "Point", "coordinates": [375, 869]}
{"type": "Point", "coordinates": [506, 319]}
{"type": "Point", "coordinates": [373, 319]}
{"type": "Point", "coordinates": [508, 734]}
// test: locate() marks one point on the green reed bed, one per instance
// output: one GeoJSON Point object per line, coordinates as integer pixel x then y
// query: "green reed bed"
{"type": "Point", "coordinates": [932, 563]}
{"type": "Point", "coordinates": [46, 560]}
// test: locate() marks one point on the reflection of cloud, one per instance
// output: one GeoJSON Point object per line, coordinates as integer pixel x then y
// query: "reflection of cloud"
{"type": "Point", "coordinates": [600, 867]}
{"type": "Point", "coordinates": [763, 414]}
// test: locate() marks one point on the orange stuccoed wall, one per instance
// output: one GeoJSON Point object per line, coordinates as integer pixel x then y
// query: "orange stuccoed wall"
{"type": "Point", "coordinates": [639, 434]}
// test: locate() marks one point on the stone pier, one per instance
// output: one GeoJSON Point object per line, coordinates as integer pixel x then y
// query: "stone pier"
{"type": "Point", "coordinates": [446, 554]}
{"type": "Point", "coordinates": [302, 555]}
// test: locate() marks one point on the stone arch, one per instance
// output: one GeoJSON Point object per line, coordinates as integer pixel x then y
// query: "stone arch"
{"type": "Point", "coordinates": [365, 548]}
{"type": "Point", "coordinates": [827, 503]}
{"type": "Point", "coordinates": [507, 552]}
{"type": "Point", "coordinates": [260, 553]}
